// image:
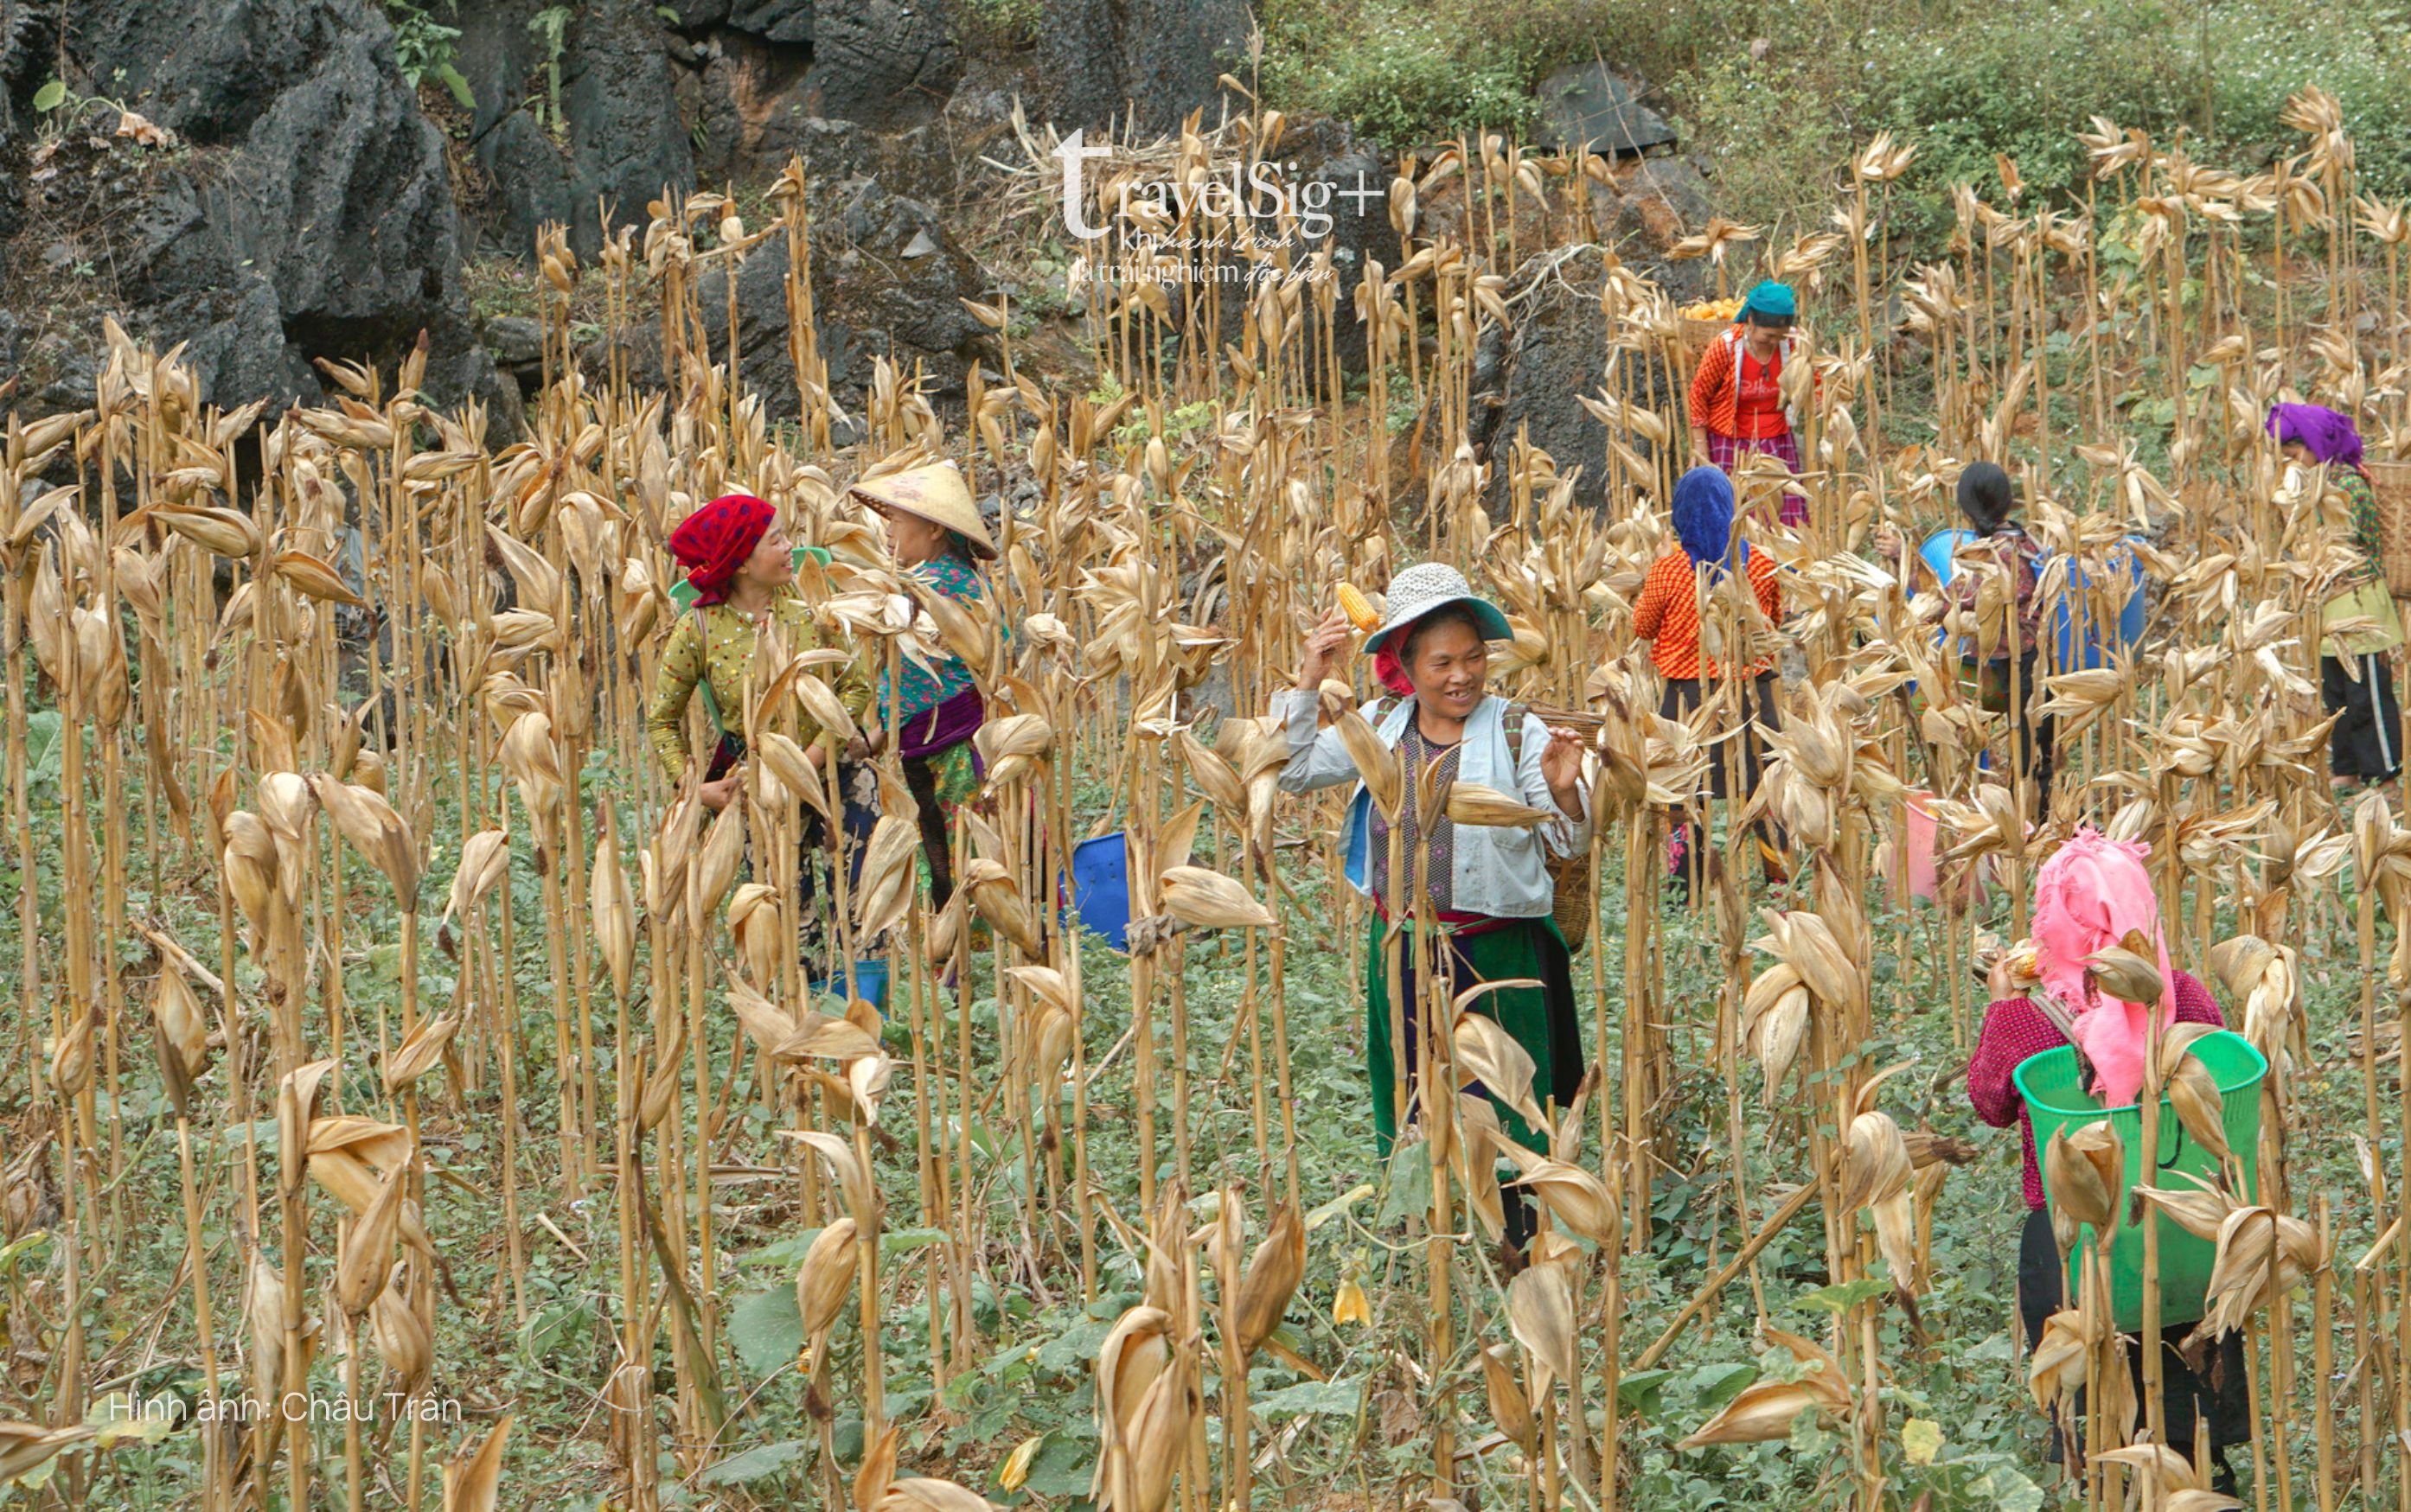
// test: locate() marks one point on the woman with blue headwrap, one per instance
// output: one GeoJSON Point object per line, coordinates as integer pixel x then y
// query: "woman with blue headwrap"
{"type": "Point", "coordinates": [1711, 558]}
{"type": "Point", "coordinates": [1737, 404]}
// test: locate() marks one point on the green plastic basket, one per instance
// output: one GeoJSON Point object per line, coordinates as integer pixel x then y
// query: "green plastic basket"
{"type": "Point", "coordinates": [2054, 1100]}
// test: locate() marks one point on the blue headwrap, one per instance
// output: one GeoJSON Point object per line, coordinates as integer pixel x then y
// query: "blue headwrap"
{"type": "Point", "coordinates": [1703, 520]}
{"type": "Point", "coordinates": [1770, 298]}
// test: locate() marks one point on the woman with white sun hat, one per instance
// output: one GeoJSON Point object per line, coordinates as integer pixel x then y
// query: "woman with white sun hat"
{"type": "Point", "coordinates": [1486, 892]}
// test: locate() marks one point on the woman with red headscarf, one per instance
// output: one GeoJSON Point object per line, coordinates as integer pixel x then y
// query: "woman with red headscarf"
{"type": "Point", "coordinates": [737, 561]}
{"type": "Point", "coordinates": [2091, 894]}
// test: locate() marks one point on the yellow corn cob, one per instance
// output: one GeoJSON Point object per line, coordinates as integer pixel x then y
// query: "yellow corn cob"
{"type": "Point", "coordinates": [1357, 607]}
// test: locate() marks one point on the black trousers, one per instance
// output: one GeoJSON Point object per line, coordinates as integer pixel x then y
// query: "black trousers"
{"type": "Point", "coordinates": [2366, 740]}
{"type": "Point", "coordinates": [936, 840]}
{"type": "Point", "coordinates": [1758, 708]}
{"type": "Point", "coordinates": [1684, 694]}
{"type": "Point", "coordinates": [2215, 1393]}
{"type": "Point", "coordinates": [2037, 740]}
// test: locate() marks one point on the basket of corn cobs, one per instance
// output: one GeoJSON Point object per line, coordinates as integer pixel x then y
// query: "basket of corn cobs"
{"type": "Point", "coordinates": [1706, 321]}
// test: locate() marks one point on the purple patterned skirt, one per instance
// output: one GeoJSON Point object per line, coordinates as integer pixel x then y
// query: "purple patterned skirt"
{"type": "Point", "coordinates": [1728, 451]}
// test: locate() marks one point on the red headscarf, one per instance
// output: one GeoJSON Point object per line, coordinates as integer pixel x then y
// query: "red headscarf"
{"type": "Point", "coordinates": [715, 541]}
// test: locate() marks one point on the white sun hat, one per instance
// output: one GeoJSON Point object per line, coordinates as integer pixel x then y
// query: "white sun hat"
{"type": "Point", "coordinates": [1427, 586]}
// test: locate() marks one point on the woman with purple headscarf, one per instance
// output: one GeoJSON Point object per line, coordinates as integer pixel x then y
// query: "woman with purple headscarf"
{"type": "Point", "coordinates": [2356, 679]}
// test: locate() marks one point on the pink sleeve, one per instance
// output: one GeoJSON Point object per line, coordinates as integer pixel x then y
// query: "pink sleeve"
{"type": "Point", "coordinates": [2013, 1030]}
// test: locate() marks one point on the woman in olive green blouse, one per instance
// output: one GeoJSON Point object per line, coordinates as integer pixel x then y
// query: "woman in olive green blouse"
{"type": "Point", "coordinates": [736, 557]}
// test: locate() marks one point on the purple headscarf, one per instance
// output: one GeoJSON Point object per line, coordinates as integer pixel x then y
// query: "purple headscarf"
{"type": "Point", "coordinates": [2329, 436]}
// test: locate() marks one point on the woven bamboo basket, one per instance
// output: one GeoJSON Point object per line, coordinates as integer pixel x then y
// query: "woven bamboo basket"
{"type": "Point", "coordinates": [1696, 333]}
{"type": "Point", "coordinates": [2392, 482]}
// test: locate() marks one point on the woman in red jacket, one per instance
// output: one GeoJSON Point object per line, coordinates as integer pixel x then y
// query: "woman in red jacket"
{"type": "Point", "coordinates": [2087, 896]}
{"type": "Point", "coordinates": [1737, 404]}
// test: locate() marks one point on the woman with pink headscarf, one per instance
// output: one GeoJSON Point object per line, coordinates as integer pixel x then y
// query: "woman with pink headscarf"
{"type": "Point", "coordinates": [2090, 895]}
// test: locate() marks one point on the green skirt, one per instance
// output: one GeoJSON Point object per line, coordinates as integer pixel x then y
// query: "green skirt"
{"type": "Point", "coordinates": [957, 781]}
{"type": "Point", "coordinates": [1541, 1019]}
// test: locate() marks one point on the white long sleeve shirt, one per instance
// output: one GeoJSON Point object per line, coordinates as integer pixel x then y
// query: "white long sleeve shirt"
{"type": "Point", "coordinates": [1498, 872]}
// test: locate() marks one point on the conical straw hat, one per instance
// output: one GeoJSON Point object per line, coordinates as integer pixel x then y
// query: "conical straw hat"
{"type": "Point", "coordinates": [936, 492]}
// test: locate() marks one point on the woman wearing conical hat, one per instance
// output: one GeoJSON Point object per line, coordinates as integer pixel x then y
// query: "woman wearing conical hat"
{"type": "Point", "coordinates": [937, 539]}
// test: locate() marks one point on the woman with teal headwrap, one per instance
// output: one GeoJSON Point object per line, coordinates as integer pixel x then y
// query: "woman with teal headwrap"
{"type": "Point", "coordinates": [1737, 404]}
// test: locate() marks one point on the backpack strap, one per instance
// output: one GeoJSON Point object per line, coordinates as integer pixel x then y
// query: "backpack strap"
{"type": "Point", "coordinates": [1514, 718]}
{"type": "Point", "coordinates": [703, 674]}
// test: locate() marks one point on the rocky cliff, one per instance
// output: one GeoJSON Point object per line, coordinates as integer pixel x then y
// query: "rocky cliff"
{"type": "Point", "coordinates": [258, 180]}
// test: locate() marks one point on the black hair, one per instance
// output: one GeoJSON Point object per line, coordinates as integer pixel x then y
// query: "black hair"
{"type": "Point", "coordinates": [1447, 614]}
{"type": "Point", "coordinates": [1985, 496]}
{"type": "Point", "coordinates": [1766, 317]}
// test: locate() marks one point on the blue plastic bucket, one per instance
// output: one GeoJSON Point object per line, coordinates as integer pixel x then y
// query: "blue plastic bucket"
{"type": "Point", "coordinates": [869, 984]}
{"type": "Point", "coordinates": [1100, 888]}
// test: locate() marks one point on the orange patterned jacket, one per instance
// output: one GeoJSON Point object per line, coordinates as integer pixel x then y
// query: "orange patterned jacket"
{"type": "Point", "coordinates": [1668, 614]}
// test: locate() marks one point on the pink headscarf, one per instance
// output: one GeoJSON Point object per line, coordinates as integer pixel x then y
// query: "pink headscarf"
{"type": "Point", "coordinates": [2087, 896]}
{"type": "Point", "coordinates": [1391, 671]}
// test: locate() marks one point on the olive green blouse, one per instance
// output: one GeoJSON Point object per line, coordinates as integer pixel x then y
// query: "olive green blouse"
{"type": "Point", "coordinates": [714, 647]}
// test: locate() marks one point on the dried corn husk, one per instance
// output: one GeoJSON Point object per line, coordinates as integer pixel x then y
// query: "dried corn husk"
{"type": "Point", "coordinates": [1470, 803]}
{"type": "Point", "coordinates": [2192, 1090]}
{"type": "Point", "coordinates": [2087, 1174]}
{"type": "Point", "coordinates": [1540, 1312]}
{"type": "Point", "coordinates": [376, 832]}
{"type": "Point", "coordinates": [824, 1280]}
{"type": "Point", "coordinates": [1207, 899]}
{"type": "Point", "coordinates": [1573, 1195]}
{"type": "Point", "coordinates": [989, 887]}
{"type": "Point", "coordinates": [1272, 1276]}
{"type": "Point", "coordinates": [2262, 1255]}
{"type": "Point", "coordinates": [485, 859]}
{"type": "Point", "coordinates": [2125, 974]}
{"type": "Point", "coordinates": [2056, 1368]}
{"type": "Point", "coordinates": [475, 1484]}
{"type": "Point", "coordinates": [1878, 1176]}
{"type": "Point", "coordinates": [183, 1033]}
{"type": "Point", "coordinates": [1511, 1408]}
{"type": "Point", "coordinates": [888, 876]}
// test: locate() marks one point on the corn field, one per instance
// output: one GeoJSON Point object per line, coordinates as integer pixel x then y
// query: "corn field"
{"type": "Point", "coordinates": [297, 682]}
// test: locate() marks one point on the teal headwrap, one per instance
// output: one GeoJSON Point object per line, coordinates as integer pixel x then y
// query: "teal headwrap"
{"type": "Point", "coordinates": [1770, 298]}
